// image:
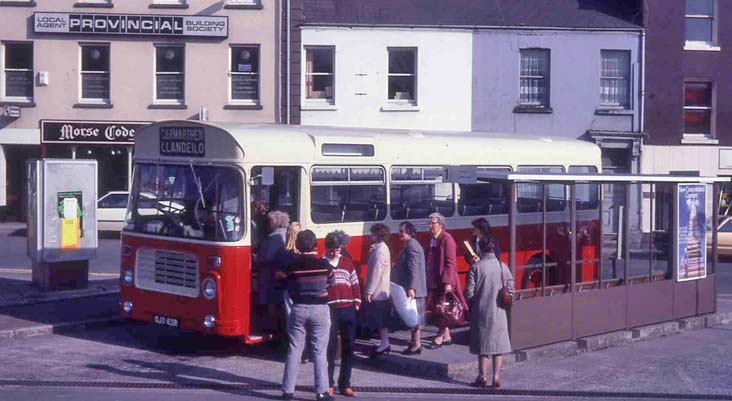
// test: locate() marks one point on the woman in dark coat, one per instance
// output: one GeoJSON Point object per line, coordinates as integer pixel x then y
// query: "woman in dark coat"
{"type": "Point", "coordinates": [442, 274]}
{"type": "Point", "coordinates": [481, 229]}
{"type": "Point", "coordinates": [488, 322]}
{"type": "Point", "coordinates": [409, 272]}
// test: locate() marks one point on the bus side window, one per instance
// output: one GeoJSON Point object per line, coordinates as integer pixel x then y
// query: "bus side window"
{"type": "Point", "coordinates": [588, 195]}
{"type": "Point", "coordinates": [347, 194]}
{"type": "Point", "coordinates": [418, 191]}
{"type": "Point", "coordinates": [530, 196]}
{"type": "Point", "coordinates": [484, 198]}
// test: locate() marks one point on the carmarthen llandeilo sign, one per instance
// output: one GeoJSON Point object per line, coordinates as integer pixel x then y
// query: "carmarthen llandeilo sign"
{"type": "Point", "coordinates": [90, 132]}
{"type": "Point", "coordinates": [182, 141]}
{"type": "Point", "coordinates": [130, 24]}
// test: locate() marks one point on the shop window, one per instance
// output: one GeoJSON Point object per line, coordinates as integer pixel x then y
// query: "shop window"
{"type": "Point", "coordinates": [347, 194]}
{"type": "Point", "coordinates": [698, 109]}
{"type": "Point", "coordinates": [484, 198]}
{"type": "Point", "coordinates": [244, 74]}
{"type": "Point", "coordinates": [416, 192]}
{"type": "Point", "coordinates": [615, 79]}
{"type": "Point", "coordinates": [534, 78]}
{"type": "Point", "coordinates": [700, 23]}
{"type": "Point", "coordinates": [402, 77]}
{"type": "Point", "coordinates": [95, 73]}
{"type": "Point", "coordinates": [169, 74]}
{"type": "Point", "coordinates": [320, 74]}
{"type": "Point", "coordinates": [17, 72]}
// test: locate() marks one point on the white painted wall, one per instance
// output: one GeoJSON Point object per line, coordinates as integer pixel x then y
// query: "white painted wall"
{"type": "Point", "coordinates": [444, 78]}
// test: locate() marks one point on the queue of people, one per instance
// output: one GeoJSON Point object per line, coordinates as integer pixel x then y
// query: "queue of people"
{"type": "Point", "coordinates": [324, 301]}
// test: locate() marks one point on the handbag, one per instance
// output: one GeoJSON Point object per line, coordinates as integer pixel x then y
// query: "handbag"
{"type": "Point", "coordinates": [505, 300]}
{"type": "Point", "coordinates": [449, 311]}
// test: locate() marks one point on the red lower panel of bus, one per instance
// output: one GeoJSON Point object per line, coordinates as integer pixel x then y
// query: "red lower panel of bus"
{"type": "Point", "coordinates": [230, 307]}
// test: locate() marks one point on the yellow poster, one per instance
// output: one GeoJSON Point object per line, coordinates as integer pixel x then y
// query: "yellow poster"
{"type": "Point", "coordinates": [70, 234]}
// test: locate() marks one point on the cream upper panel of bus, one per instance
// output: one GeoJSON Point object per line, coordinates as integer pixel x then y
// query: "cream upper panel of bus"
{"type": "Point", "coordinates": [281, 144]}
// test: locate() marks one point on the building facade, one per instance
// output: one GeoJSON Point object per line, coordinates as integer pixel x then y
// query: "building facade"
{"type": "Point", "coordinates": [528, 67]}
{"type": "Point", "coordinates": [688, 87]}
{"type": "Point", "coordinates": [78, 77]}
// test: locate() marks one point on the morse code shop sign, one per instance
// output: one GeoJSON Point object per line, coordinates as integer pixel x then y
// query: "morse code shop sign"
{"type": "Point", "coordinates": [182, 141]}
{"type": "Point", "coordinates": [130, 24]}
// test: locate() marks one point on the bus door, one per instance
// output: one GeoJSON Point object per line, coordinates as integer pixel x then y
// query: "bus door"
{"type": "Point", "coordinates": [272, 189]}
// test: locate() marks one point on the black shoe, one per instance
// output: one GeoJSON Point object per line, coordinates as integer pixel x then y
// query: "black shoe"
{"type": "Point", "coordinates": [410, 351]}
{"type": "Point", "coordinates": [435, 346]}
{"type": "Point", "coordinates": [287, 396]}
{"type": "Point", "coordinates": [448, 342]}
{"type": "Point", "coordinates": [324, 397]}
{"type": "Point", "coordinates": [384, 351]}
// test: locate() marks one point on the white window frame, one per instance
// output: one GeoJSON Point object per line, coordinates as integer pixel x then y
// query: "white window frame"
{"type": "Point", "coordinates": [82, 2]}
{"type": "Point", "coordinates": [547, 78]}
{"type": "Point", "coordinates": [177, 102]}
{"type": "Point", "coordinates": [252, 102]}
{"type": "Point", "coordinates": [243, 2]}
{"type": "Point", "coordinates": [711, 134]}
{"type": "Point", "coordinates": [403, 102]}
{"type": "Point", "coordinates": [626, 105]}
{"type": "Point", "coordinates": [170, 2]}
{"type": "Point", "coordinates": [315, 103]}
{"type": "Point", "coordinates": [19, 99]}
{"type": "Point", "coordinates": [703, 45]}
{"type": "Point", "coordinates": [82, 99]}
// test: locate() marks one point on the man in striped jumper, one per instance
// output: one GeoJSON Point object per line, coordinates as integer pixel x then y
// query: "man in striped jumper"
{"type": "Point", "coordinates": [344, 298]}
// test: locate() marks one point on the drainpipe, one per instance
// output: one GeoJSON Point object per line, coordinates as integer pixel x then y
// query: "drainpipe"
{"type": "Point", "coordinates": [643, 82]}
{"type": "Point", "coordinates": [287, 68]}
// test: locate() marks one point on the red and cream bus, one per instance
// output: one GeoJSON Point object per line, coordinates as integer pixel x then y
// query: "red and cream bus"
{"type": "Point", "coordinates": [191, 225]}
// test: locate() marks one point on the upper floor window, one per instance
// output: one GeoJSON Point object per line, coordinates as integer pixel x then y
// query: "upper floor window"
{"type": "Point", "coordinates": [534, 78]}
{"type": "Point", "coordinates": [700, 23]}
{"type": "Point", "coordinates": [169, 74]}
{"type": "Point", "coordinates": [17, 71]}
{"type": "Point", "coordinates": [244, 74]}
{"type": "Point", "coordinates": [95, 72]}
{"type": "Point", "coordinates": [615, 78]}
{"type": "Point", "coordinates": [698, 109]}
{"type": "Point", "coordinates": [320, 73]}
{"type": "Point", "coordinates": [402, 76]}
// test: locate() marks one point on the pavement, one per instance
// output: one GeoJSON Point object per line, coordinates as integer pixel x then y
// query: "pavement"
{"type": "Point", "coordinates": [138, 357]}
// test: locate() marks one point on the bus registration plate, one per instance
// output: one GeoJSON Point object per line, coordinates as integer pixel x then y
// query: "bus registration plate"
{"type": "Point", "coordinates": [165, 321]}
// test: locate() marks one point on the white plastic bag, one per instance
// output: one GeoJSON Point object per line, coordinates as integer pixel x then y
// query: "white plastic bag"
{"type": "Point", "coordinates": [406, 308]}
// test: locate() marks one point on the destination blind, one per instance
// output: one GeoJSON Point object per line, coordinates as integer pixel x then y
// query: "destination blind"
{"type": "Point", "coordinates": [182, 141]}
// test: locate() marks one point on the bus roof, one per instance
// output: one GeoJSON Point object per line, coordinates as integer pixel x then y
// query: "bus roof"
{"type": "Point", "coordinates": [282, 144]}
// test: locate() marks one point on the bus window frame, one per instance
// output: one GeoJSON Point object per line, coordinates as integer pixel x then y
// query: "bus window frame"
{"type": "Point", "coordinates": [348, 182]}
{"type": "Point", "coordinates": [507, 195]}
{"type": "Point", "coordinates": [420, 182]}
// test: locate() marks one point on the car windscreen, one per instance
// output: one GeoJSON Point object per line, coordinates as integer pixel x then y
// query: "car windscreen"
{"type": "Point", "coordinates": [187, 201]}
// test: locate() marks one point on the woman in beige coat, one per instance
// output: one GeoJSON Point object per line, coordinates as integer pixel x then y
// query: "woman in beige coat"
{"type": "Point", "coordinates": [377, 286]}
{"type": "Point", "coordinates": [488, 322]}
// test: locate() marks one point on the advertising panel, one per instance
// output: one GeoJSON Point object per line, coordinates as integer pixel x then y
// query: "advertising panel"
{"type": "Point", "coordinates": [691, 251]}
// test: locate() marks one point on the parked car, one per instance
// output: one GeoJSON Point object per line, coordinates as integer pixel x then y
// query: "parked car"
{"type": "Point", "coordinates": [724, 237]}
{"type": "Point", "coordinates": [111, 210]}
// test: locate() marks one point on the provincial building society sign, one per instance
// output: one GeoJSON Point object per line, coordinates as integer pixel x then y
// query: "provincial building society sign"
{"type": "Point", "coordinates": [130, 24]}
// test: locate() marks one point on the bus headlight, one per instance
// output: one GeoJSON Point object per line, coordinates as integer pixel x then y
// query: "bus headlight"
{"type": "Point", "coordinates": [128, 276]}
{"type": "Point", "coordinates": [127, 306]}
{"type": "Point", "coordinates": [209, 321]}
{"type": "Point", "coordinates": [209, 288]}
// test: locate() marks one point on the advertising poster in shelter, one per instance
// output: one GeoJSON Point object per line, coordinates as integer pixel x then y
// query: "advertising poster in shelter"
{"type": "Point", "coordinates": [691, 252]}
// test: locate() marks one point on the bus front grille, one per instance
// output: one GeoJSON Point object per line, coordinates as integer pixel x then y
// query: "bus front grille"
{"type": "Point", "coordinates": [167, 271]}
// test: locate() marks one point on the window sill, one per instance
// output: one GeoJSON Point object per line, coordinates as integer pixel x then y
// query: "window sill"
{"type": "Point", "coordinates": [82, 4]}
{"type": "Point", "coordinates": [391, 107]}
{"type": "Point", "coordinates": [157, 106]}
{"type": "Point", "coordinates": [317, 106]}
{"type": "Point", "coordinates": [93, 106]}
{"type": "Point", "coordinates": [701, 47]}
{"type": "Point", "coordinates": [243, 6]}
{"type": "Point", "coordinates": [692, 140]}
{"type": "Point", "coordinates": [243, 107]}
{"type": "Point", "coordinates": [15, 103]}
{"type": "Point", "coordinates": [17, 4]}
{"type": "Point", "coordinates": [614, 112]}
{"type": "Point", "coordinates": [169, 6]}
{"type": "Point", "coordinates": [525, 109]}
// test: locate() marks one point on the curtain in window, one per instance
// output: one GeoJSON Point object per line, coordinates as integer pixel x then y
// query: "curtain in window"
{"type": "Point", "coordinates": [534, 74]}
{"type": "Point", "coordinates": [615, 71]}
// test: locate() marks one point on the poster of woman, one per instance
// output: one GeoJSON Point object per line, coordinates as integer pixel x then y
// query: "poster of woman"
{"type": "Point", "coordinates": [691, 254]}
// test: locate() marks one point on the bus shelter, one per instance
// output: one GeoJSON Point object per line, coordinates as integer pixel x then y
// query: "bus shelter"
{"type": "Point", "coordinates": [595, 253]}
